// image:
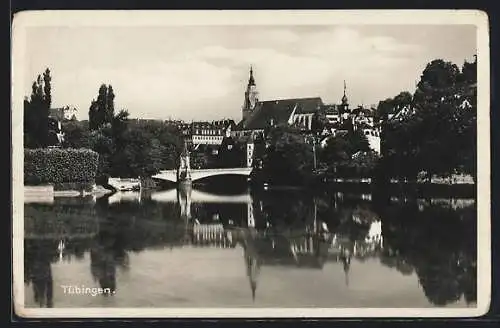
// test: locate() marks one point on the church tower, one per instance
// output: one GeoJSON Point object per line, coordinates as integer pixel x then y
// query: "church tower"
{"type": "Point", "coordinates": [345, 101]}
{"type": "Point", "coordinates": [251, 97]}
{"type": "Point", "coordinates": [344, 105]}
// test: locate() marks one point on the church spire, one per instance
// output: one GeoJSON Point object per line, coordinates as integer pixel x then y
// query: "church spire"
{"type": "Point", "coordinates": [344, 97]}
{"type": "Point", "coordinates": [251, 80]}
{"type": "Point", "coordinates": [251, 97]}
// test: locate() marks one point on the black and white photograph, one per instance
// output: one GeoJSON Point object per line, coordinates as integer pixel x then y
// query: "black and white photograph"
{"type": "Point", "coordinates": [312, 163]}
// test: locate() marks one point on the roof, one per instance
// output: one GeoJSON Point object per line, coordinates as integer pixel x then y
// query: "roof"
{"type": "Point", "coordinates": [57, 113]}
{"type": "Point", "coordinates": [331, 109]}
{"type": "Point", "coordinates": [278, 111]}
{"type": "Point", "coordinates": [363, 110]}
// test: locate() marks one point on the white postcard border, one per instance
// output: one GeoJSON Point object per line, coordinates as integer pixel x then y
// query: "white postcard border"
{"type": "Point", "coordinates": [33, 19]}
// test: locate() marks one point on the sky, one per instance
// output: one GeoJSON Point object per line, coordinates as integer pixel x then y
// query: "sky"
{"type": "Point", "coordinates": [201, 72]}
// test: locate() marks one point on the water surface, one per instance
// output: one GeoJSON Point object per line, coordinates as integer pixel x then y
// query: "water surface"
{"type": "Point", "coordinates": [287, 248]}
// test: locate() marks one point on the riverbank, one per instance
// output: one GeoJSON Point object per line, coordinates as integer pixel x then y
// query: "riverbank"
{"type": "Point", "coordinates": [47, 193]}
{"type": "Point", "coordinates": [414, 190]}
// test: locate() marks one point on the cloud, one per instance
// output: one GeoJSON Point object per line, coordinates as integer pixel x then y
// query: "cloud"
{"type": "Point", "coordinates": [155, 88]}
{"type": "Point", "coordinates": [199, 72]}
{"type": "Point", "coordinates": [314, 60]}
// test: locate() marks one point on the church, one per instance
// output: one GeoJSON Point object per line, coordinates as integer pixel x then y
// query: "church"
{"type": "Point", "coordinates": [258, 115]}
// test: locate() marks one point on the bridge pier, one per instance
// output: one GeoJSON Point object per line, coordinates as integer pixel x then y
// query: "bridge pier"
{"type": "Point", "coordinates": [184, 171]}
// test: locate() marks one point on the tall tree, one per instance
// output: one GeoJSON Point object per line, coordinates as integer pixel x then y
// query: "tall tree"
{"type": "Point", "coordinates": [36, 112]}
{"type": "Point", "coordinates": [47, 88]}
{"type": "Point", "coordinates": [101, 111]}
{"type": "Point", "coordinates": [110, 105]}
{"type": "Point", "coordinates": [93, 116]}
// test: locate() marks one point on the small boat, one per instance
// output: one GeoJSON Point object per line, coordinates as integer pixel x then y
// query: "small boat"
{"type": "Point", "coordinates": [125, 184]}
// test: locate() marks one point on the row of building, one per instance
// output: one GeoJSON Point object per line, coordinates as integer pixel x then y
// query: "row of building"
{"type": "Point", "coordinates": [257, 116]}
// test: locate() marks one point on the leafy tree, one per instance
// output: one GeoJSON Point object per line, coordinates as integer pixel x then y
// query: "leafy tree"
{"type": "Point", "coordinates": [101, 111]}
{"type": "Point", "coordinates": [110, 105]}
{"type": "Point", "coordinates": [36, 112]}
{"type": "Point", "coordinates": [143, 148]}
{"type": "Point", "coordinates": [438, 74]}
{"type": "Point", "coordinates": [76, 134]}
{"type": "Point", "coordinates": [336, 151]}
{"type": "Point", "coordinates": [319, 121]}
{"type": "Point", "coordinates": [356, 142]}
{"type": "Point", "coordinates": [47, 88]}
{"type": "Point", "coordinates": [231, 153]}
{"type": "Point", "coordinates": [288, 155]}
{"type": "Point", "coordinates": [102, 142]}
{"type": "Point", "coordinates": [140, 155]}
{"type": "Point", "coordinates": [437, 133]}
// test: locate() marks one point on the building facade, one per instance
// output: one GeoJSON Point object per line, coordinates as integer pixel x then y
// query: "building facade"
{"type": "Point", "coordinates": [208, 133]}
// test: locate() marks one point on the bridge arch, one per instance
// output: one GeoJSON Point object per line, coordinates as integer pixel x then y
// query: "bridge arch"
{"type": "Point", "coordinates": [198, 174]}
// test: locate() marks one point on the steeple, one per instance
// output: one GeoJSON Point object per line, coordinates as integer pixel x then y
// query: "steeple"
{"type": "Point", "coordinates": [251, 96]}
{"type": "Point", "coordinates": [251, 80]}
{"type": "Point", "coordinates": [344, 98]}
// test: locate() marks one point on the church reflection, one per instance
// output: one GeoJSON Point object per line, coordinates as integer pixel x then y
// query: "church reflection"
{"type": "Point", "coordinates": [293, 230]}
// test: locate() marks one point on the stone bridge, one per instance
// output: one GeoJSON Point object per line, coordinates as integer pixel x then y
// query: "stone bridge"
{"type": "Point", "coordinates": [197, 174]}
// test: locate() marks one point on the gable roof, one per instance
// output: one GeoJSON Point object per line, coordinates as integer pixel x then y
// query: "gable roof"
{"type": "Point", "coordinates": [278, 111]}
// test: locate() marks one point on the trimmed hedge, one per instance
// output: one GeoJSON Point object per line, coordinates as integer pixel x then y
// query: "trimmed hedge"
{"type": "Point", "coordinates": [56, 166]}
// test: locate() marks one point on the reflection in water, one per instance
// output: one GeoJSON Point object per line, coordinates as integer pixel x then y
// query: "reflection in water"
{"type": "Point", "coordinates": [39, 272]}
{"type": "Point", "coordinates": [433, 241]}
{"type": "Point", "coordinates": [108, 252]}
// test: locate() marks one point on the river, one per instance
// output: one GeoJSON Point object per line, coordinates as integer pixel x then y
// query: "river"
{"type": "Point", "coordinates": [244, 248]}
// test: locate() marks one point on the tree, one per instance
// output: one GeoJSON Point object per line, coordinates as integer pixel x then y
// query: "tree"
{"type": "Point", "coordinates": [102, 142]}
{"type": "Point", "coordinates": [335, 152]}
{"type": "Point", "coordinates": [36, 112]}
{"type": "Point", "coordinates": [47, 88]}
{"type": "Point", "coordinates": [231, 153]}
{"type": "Point", "coordinates": [140, 155]}
{"type": "Point", "coordinates": [437, 103]}
{"type": "Point", "coordinates": [436, 134]}
{"type": "Point", "coordinates": [469, 72]}
{"type": "Point", "coordinates": [110, 105]}
{"type": "Point", "coordinates": [76, 134]}
{"type": "Point", "coordinates": [356, 141]}
{"type": "Point", "coordinates": [101, 110]}
{"type": "Point", "coordinates": [288, 155]}
{"type": "Point", "coordinates": [319, 122]}
{"type": "Point", "coordinates": [94, 120]}
{"type": "Point", "coordinates": [438, 74]}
